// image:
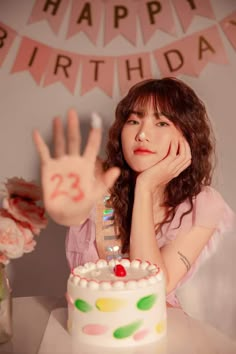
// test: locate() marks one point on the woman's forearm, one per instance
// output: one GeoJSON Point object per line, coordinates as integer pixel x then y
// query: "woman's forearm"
{"type": "Point", "coordinates": [143, 243]}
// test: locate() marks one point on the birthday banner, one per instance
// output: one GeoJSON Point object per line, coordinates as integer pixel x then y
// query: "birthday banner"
{"type": "Point", "coordinates": [48, 65]}
{"type": "Point", "coordinates": [119, 16]}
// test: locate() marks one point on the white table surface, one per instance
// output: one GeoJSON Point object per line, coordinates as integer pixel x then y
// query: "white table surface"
{"type": "Point", "coordinates": [39, 326]}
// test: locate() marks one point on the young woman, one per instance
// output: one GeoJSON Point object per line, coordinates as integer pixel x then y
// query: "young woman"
{"type": "Point", "coordinates": [158, 171]}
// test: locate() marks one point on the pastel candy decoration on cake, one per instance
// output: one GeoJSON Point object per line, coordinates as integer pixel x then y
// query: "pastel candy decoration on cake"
{"type": "Point", "coordinates": [110, 304]}
{"type": "Point", "coordinates": [116, 303]}
{"type": "Point", "coordinates": [82, 305]}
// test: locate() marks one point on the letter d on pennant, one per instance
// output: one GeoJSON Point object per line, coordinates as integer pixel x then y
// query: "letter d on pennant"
{"type": "Point", "coordinates": [174, 65]}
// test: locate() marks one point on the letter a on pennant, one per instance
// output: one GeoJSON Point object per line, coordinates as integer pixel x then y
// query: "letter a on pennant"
{"type": "Point", "coordinates": [85, 16]}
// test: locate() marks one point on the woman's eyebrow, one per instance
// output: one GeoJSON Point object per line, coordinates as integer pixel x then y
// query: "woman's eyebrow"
{"type": "Point", "coordinates": [164, 114]}
{"type": "Point", "coordinates": [159, 114]}
{"type": "Point", "coordinates": [137, 113]}
{"type": "Point", "coordinates": [156, 114]}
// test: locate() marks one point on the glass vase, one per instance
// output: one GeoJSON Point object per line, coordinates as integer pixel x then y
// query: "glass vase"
{"type": "Point", "coordinates": [5, 307]}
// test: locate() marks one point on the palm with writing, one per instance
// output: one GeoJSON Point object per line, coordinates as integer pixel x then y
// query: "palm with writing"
{"type": "Point", "coordinates": [70, 183]}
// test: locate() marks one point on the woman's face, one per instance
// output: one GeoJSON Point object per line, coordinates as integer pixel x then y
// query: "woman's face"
{"type": "Point", "coordinates": [146, 137]}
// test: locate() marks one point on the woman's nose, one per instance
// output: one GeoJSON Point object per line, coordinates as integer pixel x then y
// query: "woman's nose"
{"type": "Point", "coordinates": [142, 136]}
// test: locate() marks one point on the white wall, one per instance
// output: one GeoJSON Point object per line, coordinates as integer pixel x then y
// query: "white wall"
{"type": "Point", "coordinates": [24, 106]}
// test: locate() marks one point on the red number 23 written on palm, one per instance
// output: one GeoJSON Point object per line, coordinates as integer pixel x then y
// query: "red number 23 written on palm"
{"type": "Point", "coordinates": [73, 192]}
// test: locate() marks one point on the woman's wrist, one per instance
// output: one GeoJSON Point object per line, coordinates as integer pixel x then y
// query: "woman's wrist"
{"type": "Point", "coordinates": [142, 185]}
{"type": "Point", "coordinates": [146, 187]}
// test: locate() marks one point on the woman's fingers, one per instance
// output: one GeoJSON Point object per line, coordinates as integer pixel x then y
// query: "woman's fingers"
{"type": "Point", "coordinates": [173, 149]}
{"type": "Point", "coordinates": [179, 156]}
{"type": "Point", "coordinates": [183, 159]}
{"type": "Point", "coordinates": [181, 168]}
{"type": "Point", "coordinates": [94, 138]}
{"type": "Point", "coordinates": [41, 147]}
{"type": "Point", "coordinates": [184, 149]}
{"type": "Point", "coordinates": [184, 153]}
{"type": "Point", "coordinates": [73, 133]}
{"type": "Point", "coordinates": [58, 138]}
{"type": "Point", "coordinates": [188, 151]}
{"type": "Point", "coordinates": [71, 144]}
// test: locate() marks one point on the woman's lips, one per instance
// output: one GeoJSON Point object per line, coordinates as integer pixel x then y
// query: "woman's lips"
{"type": "Point", "coordinates": [141, 151]}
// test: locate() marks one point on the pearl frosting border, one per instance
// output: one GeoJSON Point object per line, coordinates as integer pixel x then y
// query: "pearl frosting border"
{"type": "Point", "coordinates": [78, 275]}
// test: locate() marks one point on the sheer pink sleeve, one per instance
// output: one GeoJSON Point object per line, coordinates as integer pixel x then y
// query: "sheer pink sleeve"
{"type": "Point", "coordinates": [211, 211]}
{"type": "Point", "coordinates": [81, 242]}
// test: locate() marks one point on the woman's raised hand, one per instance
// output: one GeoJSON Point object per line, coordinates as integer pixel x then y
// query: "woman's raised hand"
{"type": "Point", "coordinates": [69, 182]}
{"type": "Point", "coordinates": [176, 161]}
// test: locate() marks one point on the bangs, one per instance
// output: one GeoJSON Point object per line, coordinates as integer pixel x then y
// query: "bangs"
{"type": "Point", "coordinates": [148, 94]}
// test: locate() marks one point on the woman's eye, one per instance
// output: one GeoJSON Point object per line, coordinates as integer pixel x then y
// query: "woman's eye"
{"type": "Point", "coordinates": [162, 124]}
{"type": "Point", "coordinates": [132, 121]}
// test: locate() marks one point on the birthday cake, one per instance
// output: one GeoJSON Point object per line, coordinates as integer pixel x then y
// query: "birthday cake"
{"type": "Point", "coordinates": [116, 303]}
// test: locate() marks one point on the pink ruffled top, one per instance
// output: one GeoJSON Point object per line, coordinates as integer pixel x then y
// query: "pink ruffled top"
{"type": "Point", "coordinates": [209, 210]}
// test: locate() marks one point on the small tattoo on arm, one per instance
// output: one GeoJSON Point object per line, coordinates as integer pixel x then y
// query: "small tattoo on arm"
{"type": "Point", "coordinates": [185, 261]}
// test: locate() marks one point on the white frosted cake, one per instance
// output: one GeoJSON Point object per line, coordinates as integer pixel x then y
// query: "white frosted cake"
{"type": "Point", "coordinates": [116, 303]}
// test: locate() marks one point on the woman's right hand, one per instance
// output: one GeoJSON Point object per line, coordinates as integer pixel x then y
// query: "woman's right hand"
{"type": "Point", "coordinates": [70, 186]}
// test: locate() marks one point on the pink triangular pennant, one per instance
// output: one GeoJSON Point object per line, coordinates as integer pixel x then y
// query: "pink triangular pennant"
{"type": "Point", "coordinates": [133, 68]}
{"type": "Point", "coordinates": [32, 56]}
{"type": "Point", "coordinates": [156, 15]}
{"type": "Point", "coordinates": [7, 37]}
{"type": "Point", "coordinates": [228, 25]}
{"type": "Point", "coordinates": [97, 72]}
{"type": "Point", "coordinates": [63, 67]}
{"type": "Point", "coordinates": [175, 59]}
{"type": "Point", "coordinates": [85, 16]}
{"type": "Point", "coordinates": [51, 11]}
{"type": "Point", "coordinates": [186, 10]}
{"type": "Point", "coordinates": [207, 46]}
{"type": "Point", "coordinates": [120, 18]}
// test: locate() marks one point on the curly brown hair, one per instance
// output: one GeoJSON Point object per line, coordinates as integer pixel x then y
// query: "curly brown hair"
{"type": "Point", "coordinates": [181, 105]}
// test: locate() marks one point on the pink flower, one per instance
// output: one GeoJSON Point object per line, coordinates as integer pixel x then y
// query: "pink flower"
{"type": "Point", "coordinates": [29, 242]}
{"type": "Point", "coordinates": [4, 259]}
{"type": "Point", "coordinates": [18, 187]}
{"type": "Point", "coordinates": [11, 238]}
{"type": "Point", "coordinates": [26, 212]}
{"type": "Point", "coordinates": [20, 219]}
